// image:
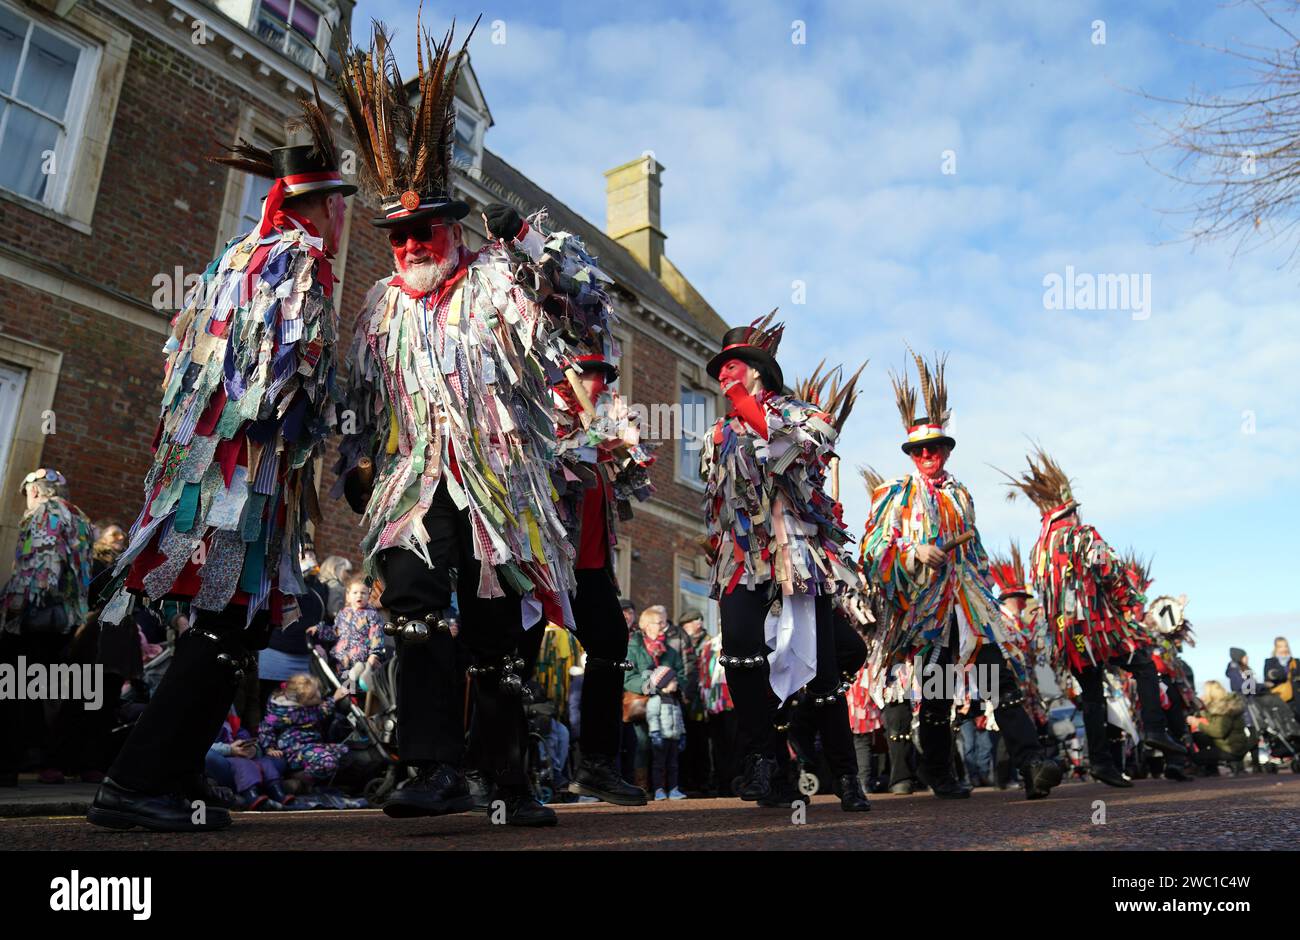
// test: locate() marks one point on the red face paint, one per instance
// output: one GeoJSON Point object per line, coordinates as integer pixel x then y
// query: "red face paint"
{"type": "Point", "coordinates": [733, 370]}
{"type": "Point", "coordinates": [420, 244]}
{"type": "Point", "coordinates": [338, 215]}
{"type": "Point", "coordinates": [930, 459]}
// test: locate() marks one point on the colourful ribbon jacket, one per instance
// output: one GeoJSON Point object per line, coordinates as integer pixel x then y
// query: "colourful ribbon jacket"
{"type": "Point", "coordinates": [912, 511]}
{"type": "Point", "coordinates": [247, 402]}
{"type": "Point", "coordinates": [1084, 592]}
{"type": "Point", "coordinates": [51, 565]}
{"type": "Point", "coordinates": [454, 387]}
{"type": "Point", "coordinates": [768, 514]}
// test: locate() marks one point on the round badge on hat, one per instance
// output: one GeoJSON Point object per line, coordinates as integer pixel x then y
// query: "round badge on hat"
{"type": "Point", "coordinates": [410, 200]}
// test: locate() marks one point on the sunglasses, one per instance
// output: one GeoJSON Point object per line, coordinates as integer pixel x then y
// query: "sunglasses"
{"type": "Point", "coordinates": [421, 232]}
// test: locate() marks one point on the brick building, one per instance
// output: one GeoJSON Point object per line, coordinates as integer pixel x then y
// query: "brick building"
{"type": "Point", "coordinates": [107, 205]}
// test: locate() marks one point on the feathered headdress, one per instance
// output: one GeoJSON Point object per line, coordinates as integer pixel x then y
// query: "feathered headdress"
{"type": "Point", "coordinates": [1137, 569]}
{"type": "Point", "coordinates": [1008, 573]}
{"type": "Point", "coordinates": [1044, 483]}
{"type": "Point", "coordinates": [839, 401]}
{"type": "Point", "coordinates": [405, 151]}
{"type": "Point", "coordinates": [305, 169]}
{"type": "Point", "coordinates": [927, 428]}
{"type": "Point", "coordinates": [871, 478]}
{"type": "Point", "coordinates": [756, 345]}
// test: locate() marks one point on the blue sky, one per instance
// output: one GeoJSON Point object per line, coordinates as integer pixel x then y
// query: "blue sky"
{"type": "Point", "coordinates": [822, 162]}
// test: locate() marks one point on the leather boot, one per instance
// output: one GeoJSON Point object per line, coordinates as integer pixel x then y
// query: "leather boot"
{"type": "Point", "coordinates": [596, 776]}
{"type": "Point", "coordinates": [852, 799]}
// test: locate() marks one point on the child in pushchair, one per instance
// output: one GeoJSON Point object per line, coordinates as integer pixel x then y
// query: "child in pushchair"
{"type": "Point", "coordinates": [1274, 723]}
{"type": "Point", "coordinates": [356, 636]}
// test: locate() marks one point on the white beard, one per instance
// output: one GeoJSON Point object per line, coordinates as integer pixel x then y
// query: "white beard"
{"type": "Point", "coordinates": [425, 278]}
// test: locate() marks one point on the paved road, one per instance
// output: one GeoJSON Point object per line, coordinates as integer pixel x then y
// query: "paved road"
{"type": "Point", "coordinates": [1258, 812]}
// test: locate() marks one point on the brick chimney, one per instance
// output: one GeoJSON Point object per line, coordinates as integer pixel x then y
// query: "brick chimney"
{"type": "Point", "coordinates": [632, 210]}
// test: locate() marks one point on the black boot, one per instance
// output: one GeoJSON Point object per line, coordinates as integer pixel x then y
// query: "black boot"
{"type": "Point", "coordinates": [758, 776]}
{"type": "Point", "coordinates": [1110, 775]}
{"type": "Point", "coordinates": [1162, 742]}
{"type": "Point", "coordinates": [116, 807]}
{"type": "Point", "coordinates": [439, 790]}
{"type": "Point", "coordinates": [945, 787]}
{"type": "Point", "coordinates": [596, 776]}
{"type": "Point", "coordinates": [522, 808]}
{"type": "Point", "coordinates": [1040, 775]}
{"type": "Point", "coordinates": [852, 799]}
{"type": "Point", "coordinates": [782, 790]}
{"type": "Point", "coordinates": [480, 788]}
{"type": "Point", "coordinates": [1176, 772]}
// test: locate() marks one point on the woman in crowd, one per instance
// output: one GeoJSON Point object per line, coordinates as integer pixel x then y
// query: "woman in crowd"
{"type": "Point", "coordinates": [1220, 733]}
{"type": "Point", "coordinates": [653, 684]}
{"type": "Point", "coordinates": [334, 573]}
{"type": "Point", "coordinates": [109, 544]}
{"type": "Point", "coordinates": [286, 653]}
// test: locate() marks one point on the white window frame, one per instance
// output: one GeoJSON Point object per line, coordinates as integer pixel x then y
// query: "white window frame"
{"type": "Point", "coordinates": [283, 47]}
{"type": "Point", "coordinates": [464, 111]}
{"type": "Point", "coordinates": [686, 382]}
{"type": "Point", "coordinates": [67, 147]}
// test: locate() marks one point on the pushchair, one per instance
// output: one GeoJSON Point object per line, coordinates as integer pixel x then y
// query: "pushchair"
{"type": "Point", "coordinates": [372, 766]}
{"type": "Point", "coordinates": [1275, 724]}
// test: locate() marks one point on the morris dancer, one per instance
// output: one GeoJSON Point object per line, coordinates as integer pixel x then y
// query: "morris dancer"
{"type": "Point", "coordinates": [247, 403]}
{"type": "Point", "coordinates": [452, 456]}
{"type": "Point", "coordinates": [773, 536]}
{"type": "Point", "coordinates": [923, 552]}
{"type": "Point", "coordinates": [1084, 594]}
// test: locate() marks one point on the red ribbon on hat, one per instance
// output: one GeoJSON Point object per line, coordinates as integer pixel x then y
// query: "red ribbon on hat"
{"type": "Point", "coordinates": [279, 190]}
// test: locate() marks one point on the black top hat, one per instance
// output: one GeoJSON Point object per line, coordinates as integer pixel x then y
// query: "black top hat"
{"type": "Point", "coordinates": [411, 206]}
{"type": "Point", "coordinates": [755, 345]}
{"type": "Point", "coordinates": [308, 170]}
{"type": "Point", "coordinates": [593, 362]}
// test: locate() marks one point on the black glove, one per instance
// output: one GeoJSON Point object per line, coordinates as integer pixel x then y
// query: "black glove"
{"type": "Point", "coordinates": [503, 221]}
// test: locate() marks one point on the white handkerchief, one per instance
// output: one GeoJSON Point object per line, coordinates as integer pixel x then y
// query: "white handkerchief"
{"type": "Point", "coordinates": [792, 635]}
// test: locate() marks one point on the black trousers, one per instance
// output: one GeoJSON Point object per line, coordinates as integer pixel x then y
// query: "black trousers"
{"type": "Point", "coordinates": [431, 675]}
{"type": "Point", "coordinates": [1093, 699]}
{"type": "Point", "coordinates": [897, 719]}
{"type": "Point", "coordinates": [722, 751]}
{"type": "Point", "coordinates": [165, 751]}
{"type": "Point", "coordinates": [743, 613]}
{"type": "Point", "coordinates": [694, 773]}
{"type": "Point", "coordinates": [1014, 722]}
{"type": "Point", "coordinates": [831, 720]}
{"type": "Point", "coordinates": [602, 631]}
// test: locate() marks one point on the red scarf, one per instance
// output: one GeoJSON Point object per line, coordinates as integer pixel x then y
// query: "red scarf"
{"type": "Point", "coordinates": [655, 647]}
